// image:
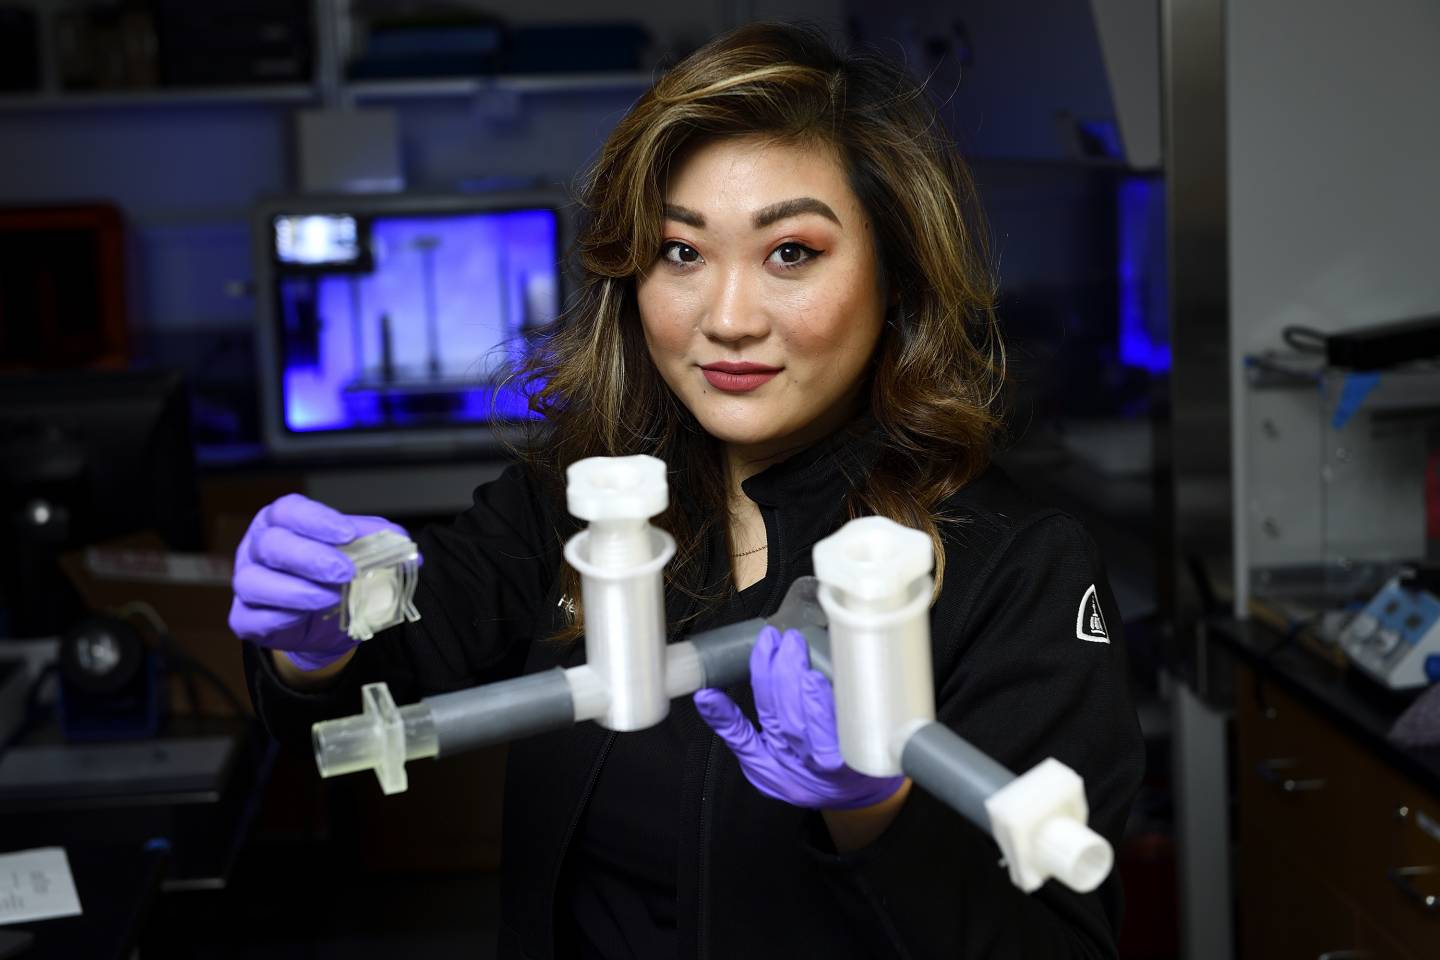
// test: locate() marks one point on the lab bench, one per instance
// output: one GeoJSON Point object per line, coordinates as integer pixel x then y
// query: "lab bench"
{"type": "Point", "coordinates": [1338, 829]}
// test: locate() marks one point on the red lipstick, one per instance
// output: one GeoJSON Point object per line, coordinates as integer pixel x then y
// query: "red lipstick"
{"type": "Point", "coordinates": [736, 377]}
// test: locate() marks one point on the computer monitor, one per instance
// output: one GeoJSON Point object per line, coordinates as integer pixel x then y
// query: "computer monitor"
{"type": "Point", "coordinates": [87, 456]}
{"type": "Point", "coordinates": [386, 322]}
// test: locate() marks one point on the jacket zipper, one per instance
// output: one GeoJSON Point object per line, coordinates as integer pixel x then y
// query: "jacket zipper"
{"type": "Point", "coordinates": [574, 825]}
{"type": "Point", "coordinates": [707, 788]}
{"type": "Point", "coordinates": [594, 778]}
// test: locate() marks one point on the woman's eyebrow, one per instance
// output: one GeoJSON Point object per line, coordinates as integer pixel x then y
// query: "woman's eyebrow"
{"type": "Point", "coordinates": [684, 215]}
{"type": "Point", "coordinates": [790, 208]}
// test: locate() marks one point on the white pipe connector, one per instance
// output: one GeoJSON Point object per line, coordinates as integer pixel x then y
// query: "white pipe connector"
{"type": "Point", "coordinates": [875, 589]}
{"type": "Point", "coordinates": [620, 558]}
{"type": "Point", "coordinates": [1038, 820]}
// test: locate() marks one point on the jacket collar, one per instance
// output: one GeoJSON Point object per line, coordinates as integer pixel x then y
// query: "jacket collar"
{"type": "Point", "coordinates": [838, 462]}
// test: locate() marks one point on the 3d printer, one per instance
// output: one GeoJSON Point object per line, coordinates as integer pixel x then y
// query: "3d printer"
{"type": "Point", "coordinates": [388, 322]}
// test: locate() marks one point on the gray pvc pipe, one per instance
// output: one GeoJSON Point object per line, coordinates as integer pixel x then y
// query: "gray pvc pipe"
{"type": "Point", "coordinates": [954, 770]}
{"type": "Point", "coordinates": [725, 652]}
{"type": "Point", "coordinates": [937, 758]}
{"type": "Point", "coordinates": [509, 710]}
{"type": "Point", "coordinates": [540, 702]}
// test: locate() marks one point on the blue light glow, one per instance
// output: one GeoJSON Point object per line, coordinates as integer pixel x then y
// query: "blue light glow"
{"type": "Point", "coordinates": [1101, 138]}
{"type": "Point", "coordinates": [1140, 219]}
{"type": "Point", "coordinates": [419, 341]}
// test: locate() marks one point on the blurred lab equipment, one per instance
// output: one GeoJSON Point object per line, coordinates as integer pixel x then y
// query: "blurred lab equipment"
{"type": "Point", "coordinates": [387, 322]}
{"type": "Point", "coordinates": [85, 457]}
{"type": "Point", "coordinates": [1398, 631]}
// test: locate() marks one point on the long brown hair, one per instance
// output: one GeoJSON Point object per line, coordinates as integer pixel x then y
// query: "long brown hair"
{"type": "Point", "coordinates": [939, 364]}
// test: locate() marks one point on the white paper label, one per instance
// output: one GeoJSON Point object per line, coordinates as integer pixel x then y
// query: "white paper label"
{"type": "Point", "coordinates": [36, 885]}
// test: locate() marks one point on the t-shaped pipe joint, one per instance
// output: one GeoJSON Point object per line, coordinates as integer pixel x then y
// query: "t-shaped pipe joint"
{"type": "Point", "coordinates": [875, 589]}
{"type": "Point", "coordinates": [620, 559]}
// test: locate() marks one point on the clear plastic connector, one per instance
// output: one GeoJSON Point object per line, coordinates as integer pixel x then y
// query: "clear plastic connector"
{"type": "Point", "coordinates": [387, 567]}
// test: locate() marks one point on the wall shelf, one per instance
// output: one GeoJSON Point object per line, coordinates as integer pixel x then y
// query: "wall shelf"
{"type": "Point", "coordinates": [371, 91]}
{"type": "Point", "coordinates": [442, 87]}
{"type": "Point", "coordinates": [160, 97]}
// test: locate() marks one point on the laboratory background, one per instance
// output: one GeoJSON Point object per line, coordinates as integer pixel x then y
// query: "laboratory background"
{"type": "Point", "coordinates": [252, 247]}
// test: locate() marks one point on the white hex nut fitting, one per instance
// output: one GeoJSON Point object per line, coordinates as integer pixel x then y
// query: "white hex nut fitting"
{"type": "Point", "coordinates": [873, 558]}
{"type": "Point", "coordinates": [1038, 820]}
{"type": "Point", "coordinates": [616, 488]}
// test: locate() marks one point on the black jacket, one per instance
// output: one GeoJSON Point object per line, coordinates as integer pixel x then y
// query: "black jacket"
{"type": "Point", "coordinates": [758, 878]}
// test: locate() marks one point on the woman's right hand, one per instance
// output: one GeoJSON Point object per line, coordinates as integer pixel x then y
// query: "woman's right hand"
{"type": "Point", "coordinates": [288, 579]}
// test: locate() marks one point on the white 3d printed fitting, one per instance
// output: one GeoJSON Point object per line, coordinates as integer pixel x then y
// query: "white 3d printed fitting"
{"type": "Point", "coordinates": [383, 589]}
{"type": "Point", "coordinates": [1039, 822]}
{"type": "Point", "coordinates": [875, 588]}
{"type": "Point", "coordinates": [620, 559]}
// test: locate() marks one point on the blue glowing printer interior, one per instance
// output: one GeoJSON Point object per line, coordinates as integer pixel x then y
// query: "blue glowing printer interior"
{"type": "Point", "coordinates": [407, 320]}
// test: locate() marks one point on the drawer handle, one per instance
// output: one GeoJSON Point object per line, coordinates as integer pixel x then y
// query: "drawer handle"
{"type": "Point", "coordinates": [1345, 955]}
{"type": "Point", "coordinates": [1271, 771]}
{"type": "Point", "coordinates": [1404, 878]}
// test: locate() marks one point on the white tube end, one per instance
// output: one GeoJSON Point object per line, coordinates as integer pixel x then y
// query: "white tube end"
{"type": "Point", "coordinates": [616, 488]}
{"type": "Point", "coordinates": [1074, 854]}
{"type": "Point", "coordinates": [374, 740]}
{"type": "Point", "coordinates": [1039, 822]}
{"type": "Point", "coordinates": [873, 559]}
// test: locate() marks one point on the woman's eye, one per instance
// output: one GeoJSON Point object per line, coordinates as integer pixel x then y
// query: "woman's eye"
{"type": "Point", "coordinates": [792, 254]}
{"type": "Point", "coordinates": [677, 252]}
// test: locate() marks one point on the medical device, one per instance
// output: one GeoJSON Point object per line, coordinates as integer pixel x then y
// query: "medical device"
{"type": "Point", "coordinates": [865, 616]}
{"type": "Point", "coordinates": [1397, 631]}
{"type": "Point", "coordinates": [382, 592]}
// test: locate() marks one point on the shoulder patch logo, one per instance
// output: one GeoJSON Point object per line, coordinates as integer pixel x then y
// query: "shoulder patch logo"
{"type": "Point", "coordinates": [1089, 622]}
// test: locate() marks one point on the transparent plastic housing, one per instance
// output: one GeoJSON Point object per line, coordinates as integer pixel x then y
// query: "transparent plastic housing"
{"type": "Point", "coordinates": [382, 738]}
{"type": "Point", "coordinates": [1339, 480]}
{"type": "Point", "coordinates": [387, 568]}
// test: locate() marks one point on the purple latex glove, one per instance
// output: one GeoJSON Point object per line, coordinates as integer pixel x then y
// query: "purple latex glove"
{"type": "Point", "coordinates": [795, 756]}
{"type": "Point", "coordinates": [288, 578]}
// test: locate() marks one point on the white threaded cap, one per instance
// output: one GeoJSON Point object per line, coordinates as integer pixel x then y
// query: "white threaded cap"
{"type": "Point", "coordinates": [873, 558]}
{"type": "Point", "coordinates": [616, 488]}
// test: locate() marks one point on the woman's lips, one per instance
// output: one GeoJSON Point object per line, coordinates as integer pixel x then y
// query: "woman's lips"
{"type": "Point", "coordinates": [737, 377]}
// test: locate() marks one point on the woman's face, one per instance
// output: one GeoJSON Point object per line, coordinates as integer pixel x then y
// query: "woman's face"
{"type": "Point", "coordinates": [764, 305]}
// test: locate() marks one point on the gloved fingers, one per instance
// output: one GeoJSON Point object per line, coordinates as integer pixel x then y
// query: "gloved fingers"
{"type": "Point", "coordinates": [792, 659]}
{"type": "Point", "coordinates": [802, 647]}
{"type": "Point", "coordinates": [310, 518]}
{"type": "Point", "coordinates": [728, 722]}
{"type": "Point", "coordinates": [260, 586]}
{"type": "Point", "coordinates": [257, 623]}
{"type": "Point", "coordinates": [288, 552]}
{"type": "Point", "coordinates": [820, 725]}
{"type": "Point", "coordinates": [762, 668]}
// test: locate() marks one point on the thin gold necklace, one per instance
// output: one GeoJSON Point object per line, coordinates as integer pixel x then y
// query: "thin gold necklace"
{"type": "Point", "coordinates": [747, 553]}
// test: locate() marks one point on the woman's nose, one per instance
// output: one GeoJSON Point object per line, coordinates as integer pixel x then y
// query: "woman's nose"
{"type": "Point", "coordinates": [736, 311]}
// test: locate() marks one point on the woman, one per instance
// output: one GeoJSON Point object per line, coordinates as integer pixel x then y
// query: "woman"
{"type": "Point", "coordinates": [784, 300]}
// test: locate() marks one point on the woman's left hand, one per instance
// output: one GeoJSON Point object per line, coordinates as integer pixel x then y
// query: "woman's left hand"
{"type": "Point", "coordinates": [795, 756]}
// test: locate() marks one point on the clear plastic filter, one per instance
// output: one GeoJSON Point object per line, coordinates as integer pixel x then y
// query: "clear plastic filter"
{"type": "Point", "coordinates": [382, 739]}
{"type": "Point", "coordinates": [382, 594]}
